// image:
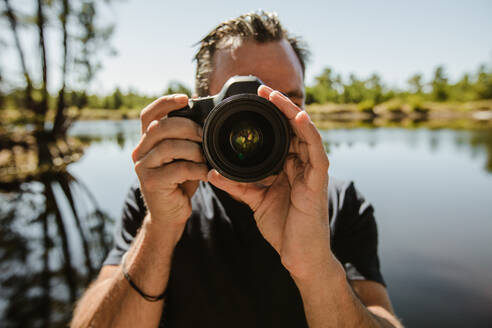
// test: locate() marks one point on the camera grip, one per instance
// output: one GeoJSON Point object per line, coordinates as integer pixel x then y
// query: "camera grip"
{"type": "Point", "coordinates": [187, 112]}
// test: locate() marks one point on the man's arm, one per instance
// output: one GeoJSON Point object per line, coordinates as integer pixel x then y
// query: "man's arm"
{"type": "Point", "coordinates": [111, 301]}
{"type": "Point", "coordinates": [376, 299]}
{"type": "Point", "coordinates": [330, 301]}
{"type": "Point", "coordinates": [169, 164]}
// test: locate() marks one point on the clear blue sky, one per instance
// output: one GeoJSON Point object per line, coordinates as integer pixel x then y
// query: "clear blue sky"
{"type": "Point", "coordinates": [154, 39]}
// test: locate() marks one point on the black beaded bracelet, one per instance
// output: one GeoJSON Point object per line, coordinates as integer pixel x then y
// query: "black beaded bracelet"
{"type": "Point", "coordinates": [134, 286]}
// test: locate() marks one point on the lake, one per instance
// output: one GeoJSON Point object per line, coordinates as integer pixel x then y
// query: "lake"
{"type": "Point", "coordinates": [431, 189]}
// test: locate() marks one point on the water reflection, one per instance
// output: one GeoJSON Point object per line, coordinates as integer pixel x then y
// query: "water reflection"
{"type": "Point", "coordinates": [56, 229]}
{"type": "Point", "coordinates": [476, 142]}
{"type": "Point", "coordinates": [483, 140]}
{"type": "Point", "coordinates": [121, 133]}
{"type": "Point", "coordinates": [53, 238]}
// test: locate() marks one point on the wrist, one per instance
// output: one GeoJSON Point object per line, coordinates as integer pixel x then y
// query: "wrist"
{"type": "Point", "coordinates": [330, 273]}
{"type": "Point", "coordinates": [163, 230]}
{"type": "Point", "coordinates": [147, 263]}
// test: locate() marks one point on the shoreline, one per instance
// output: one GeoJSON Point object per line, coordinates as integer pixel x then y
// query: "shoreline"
{"type": "Point", "coordinates": [338, 114]}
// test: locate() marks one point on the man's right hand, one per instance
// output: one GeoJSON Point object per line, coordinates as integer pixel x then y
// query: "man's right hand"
{"type": "Point", "coordinates": [168, 160]}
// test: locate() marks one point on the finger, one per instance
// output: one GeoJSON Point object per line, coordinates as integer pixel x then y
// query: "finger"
{"type": "Point", "coordinates": [171, 175]}
{"type": "Point", "coordinates": [173, 149]}
{"type": "Point", "coordinates": [303, 127]}
{"type": "Point", "coordinates": [168, 128]}
{"type": "Point", "coordinates": [286, 106]}
{"type": "Point", "coordinates": [160, 108]}
{"type": "Point", "coordinates": [248, 193]}
{"type": "Point", "coordinates": [308, 134]}
{"type": "Point", "coordinates": [264, 91]}
{"type": "Point", "coordinates": [283, 103]}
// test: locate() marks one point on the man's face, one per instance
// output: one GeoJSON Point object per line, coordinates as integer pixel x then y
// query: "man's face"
{"type": "Point", "coordinates": [275, 63]}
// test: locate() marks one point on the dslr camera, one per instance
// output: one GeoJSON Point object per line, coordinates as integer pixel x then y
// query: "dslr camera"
{"type": "Point", "coordinates": [245, 137]}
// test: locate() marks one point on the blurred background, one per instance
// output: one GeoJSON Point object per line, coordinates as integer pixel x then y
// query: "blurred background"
{"type": "Point", "coordinates": [401, 92]}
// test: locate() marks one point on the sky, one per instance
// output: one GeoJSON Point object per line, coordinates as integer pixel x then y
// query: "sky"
{"type": "Point", "coordinates": [396, 39]}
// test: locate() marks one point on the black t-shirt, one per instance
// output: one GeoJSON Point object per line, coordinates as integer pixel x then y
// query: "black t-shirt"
{"type": "Point", "coordinates": [225, 274]}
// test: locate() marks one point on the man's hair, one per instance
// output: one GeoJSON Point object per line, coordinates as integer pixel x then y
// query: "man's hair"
{"type": "Point", "coordinates": [260, 26]}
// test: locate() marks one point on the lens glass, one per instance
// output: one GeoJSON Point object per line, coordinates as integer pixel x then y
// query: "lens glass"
{"type": "Point", "coordinates": [246, 139]}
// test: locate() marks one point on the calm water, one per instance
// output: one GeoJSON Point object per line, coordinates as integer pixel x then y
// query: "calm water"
{"type": "Point", "coordinates": [432, 191]}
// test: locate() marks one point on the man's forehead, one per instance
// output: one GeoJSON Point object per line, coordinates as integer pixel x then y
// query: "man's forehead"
{"type": "Point", "coordinates": [275, 63]}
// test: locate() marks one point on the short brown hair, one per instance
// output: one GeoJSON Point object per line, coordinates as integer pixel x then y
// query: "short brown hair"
{"type": "Point", "coordinates": [258, 26]}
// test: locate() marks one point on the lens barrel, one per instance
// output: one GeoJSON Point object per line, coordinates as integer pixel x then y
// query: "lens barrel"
{"type": "Point", "coordinates": [246, 138]}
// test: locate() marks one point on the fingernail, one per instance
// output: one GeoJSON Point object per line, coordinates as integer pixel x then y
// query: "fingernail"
{"type": "Point", "coordinates": [180, 98]}
{"type": "Point", "coordinates": [266, 87]}
{"type": "Point", "coordinates": [304, 116]}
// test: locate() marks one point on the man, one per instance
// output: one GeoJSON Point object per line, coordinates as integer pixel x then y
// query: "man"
{"type": "Point", "coordinates": [293, 250]}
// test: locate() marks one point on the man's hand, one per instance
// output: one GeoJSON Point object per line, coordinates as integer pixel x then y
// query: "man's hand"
{"type": "Point", "coordinates": [291, 209]}
{"type": "Point", "coordinates": [169, 160]}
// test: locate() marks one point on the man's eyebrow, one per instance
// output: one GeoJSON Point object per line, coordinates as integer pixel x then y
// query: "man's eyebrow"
{"type": "Point", "coordinates": [294, 94]}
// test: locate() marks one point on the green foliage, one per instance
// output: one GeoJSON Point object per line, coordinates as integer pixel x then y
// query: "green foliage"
{"type": "Point", "coordinates": [366, 106]}
{"type": "Point", "coordinates": [484, 83]}
{"type": "Point", "coordinates": [330, 87]}
{"type": "Point", "coordinates": [81, 99]}
{"type": "Point", "coordinates": [440, 86]}
{"type": "Point", "coordinates": [394, 105]}
{"type": "Point", "coordinates": [117, 99]}
{"type": "Point", "coordinates": [177, 87]}
{"type": "Point", "coordinates": [416, 103]}
{"type": "Point", "coordinates": [78, 99]}
{"type": "Point", "coordinates": [416, 84]}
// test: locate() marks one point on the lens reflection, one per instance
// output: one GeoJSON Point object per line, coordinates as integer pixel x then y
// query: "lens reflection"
{"type": "Point", "coordinates": [245, 139]}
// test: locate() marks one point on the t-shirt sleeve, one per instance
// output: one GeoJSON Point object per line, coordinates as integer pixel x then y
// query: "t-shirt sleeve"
{"type": "Point", "coordinates": [355, 234]}
{"type": "Point", "coordinates": [127, 227]}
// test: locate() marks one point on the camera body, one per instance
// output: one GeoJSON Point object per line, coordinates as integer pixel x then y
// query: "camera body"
{"type": "Point", "coordinates": [245, 137]}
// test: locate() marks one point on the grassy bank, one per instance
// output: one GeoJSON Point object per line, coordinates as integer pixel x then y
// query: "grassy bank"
{"type": "Point", "coordinates": [393, 110]}
{"type": "Point", "coordinates": [398, 108]}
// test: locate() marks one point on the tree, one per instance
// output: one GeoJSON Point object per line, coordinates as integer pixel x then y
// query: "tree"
{"type": "Point", "coordinates": [483, 86]}
{"type": "Point", "coordinates": [374, 89]}
{"type": "Point", "coordinates": [354, 91]}
{"type": "Point", "coordinates": [326, 88]}
{"type": "Point", "coordinates": [177, 87]}
{"type": "Point", "coordinates": [117, 99]}
{"type": "Point", "coordinates": [81, 39]}
{"type": "Point", "coordinates": [415, 83]}
{"type": "Point", "coordinates": [440, 85]}
{"type": "Point", "coordinates": [78, 99]}
{"type": "Point", "coordinates": [2, 96]}
{"type": "Point", "coordinates": [463, 89]}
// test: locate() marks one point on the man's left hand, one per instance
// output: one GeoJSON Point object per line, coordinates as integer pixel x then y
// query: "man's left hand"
{"type": "Point", "coordinates": [291, 208]}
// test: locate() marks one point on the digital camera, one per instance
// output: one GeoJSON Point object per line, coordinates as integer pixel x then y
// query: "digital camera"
{"type": "Point", "coordinates": [245, 137]}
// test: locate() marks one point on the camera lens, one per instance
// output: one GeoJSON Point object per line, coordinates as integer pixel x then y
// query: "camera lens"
{"type": "Point", "coordinates": [246, 138]}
